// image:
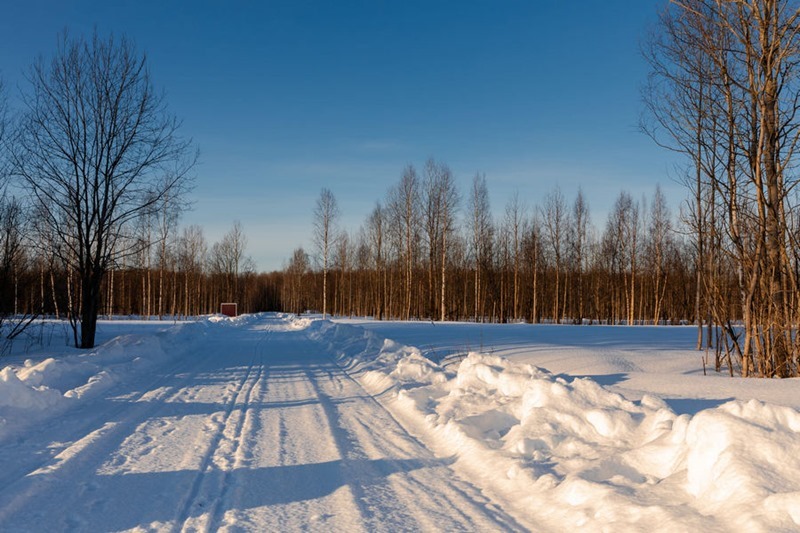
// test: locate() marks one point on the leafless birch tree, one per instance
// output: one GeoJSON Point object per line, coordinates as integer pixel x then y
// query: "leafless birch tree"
{"type": "Point", "coordinates": [554, 219]}
{"type": "Point", "coordinates": [404, 206]}
{"type": "Point", "coordinates": [515, 226]}
{"type": "Point", "coordinates": [480, 238]}
{"type": "Point", "coordinates": [326, 214]}
{"type": "Point", "coordinates": [733, 66]}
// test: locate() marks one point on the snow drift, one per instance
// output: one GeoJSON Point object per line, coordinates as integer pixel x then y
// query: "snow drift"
{"type": "Point", "coordinates": [570, 453]}
{"type": "Point", "coordinates": [35, 390]}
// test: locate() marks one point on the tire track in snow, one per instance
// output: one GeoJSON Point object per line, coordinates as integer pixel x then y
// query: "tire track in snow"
{"type": "Point", "coordinates": [349, 453]}
{"type": "Point", "coordinates": [213, 480]}
{"type": "Point", "coordinates": [379, 433]}
{"type": "Point", "coordinates": [244, 429]}
{"type": "Point", "coordinates": [322, 454]}
{"type": "Point", "coordinates": [392, 478]}
{"type": "Point", "coordinates": [295, 480]}
{"type": "Point", "coordinates": [206, 469]}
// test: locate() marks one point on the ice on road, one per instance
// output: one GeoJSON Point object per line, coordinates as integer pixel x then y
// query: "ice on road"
{"type": "Point", "coordinates": [258, 429]}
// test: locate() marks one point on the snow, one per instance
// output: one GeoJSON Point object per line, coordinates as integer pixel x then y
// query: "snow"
{"type": "Point", "coordinates": [270, 421]}
{"type": "Point", "coordinates": [564, 451]}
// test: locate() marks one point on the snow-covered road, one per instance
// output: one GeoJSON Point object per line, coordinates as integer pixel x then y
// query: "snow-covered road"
{"type": "Point", "coordinates": [276, 423]}
{"type": "Point", "coordinates": [258, 429]}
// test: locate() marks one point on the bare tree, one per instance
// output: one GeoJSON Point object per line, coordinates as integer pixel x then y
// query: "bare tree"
{"type": "Point", "coordinates": [326, 215]}
{"type": "Point", "coordinates": [168, 211]}
{"type": "Point", "coordinates": [515, 226]}
{"type": "Point", "coordinates": [296, 270]}
{"type": "Point", "coordinates": [732, 69]}
{"type": "Point", "coordinates": [431, 223]}
{"type": "Point", "coordinates": [439, 207]}
{"type": "Point", "coordinates": [192, 249]}
{"type": "Point", "coordinates": [404, 208]}
{"type": "Point", "coordinates": [554, 219]}
{"type": "Point", "coordinates": [449, 208]}
{"type": "Point", "coordinates": [228, 258]}
{"type": "Point", "coordinates": [532, 244]}
{"type": "Point", "coordinates": [480, 238]}
{"type": "Point", "coordinates": [343, 261]}
{"type": "Point", "coordinates": [686, 112]}
{"type": "Point", "coordinates": [376, 236]}
{"type": "Point", "coordinates": [97, 150]}
{"type": "Point", "coordinates": [622, 232]}
{"type": "Point", "coordinates": [659, 231]}
{"type": "Point", "coordinates": [578, 245]}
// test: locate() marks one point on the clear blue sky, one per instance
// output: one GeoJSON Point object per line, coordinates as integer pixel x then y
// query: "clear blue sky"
{"type": "Point", "coordinates": [284, 98]}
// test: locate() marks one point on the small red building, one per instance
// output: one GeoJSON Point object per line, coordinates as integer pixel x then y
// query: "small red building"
{"type": "Point", "coordinates": [228, 309]}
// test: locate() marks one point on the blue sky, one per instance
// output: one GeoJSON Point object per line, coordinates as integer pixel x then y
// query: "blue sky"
{"type": "Point", "coordinates": [284, 98]}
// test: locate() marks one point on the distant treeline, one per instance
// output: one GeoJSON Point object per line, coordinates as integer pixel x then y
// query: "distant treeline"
{"type": "Point", "coordinates": [425, 253]}
{"type": "Point", "coordinates": [543, 263]}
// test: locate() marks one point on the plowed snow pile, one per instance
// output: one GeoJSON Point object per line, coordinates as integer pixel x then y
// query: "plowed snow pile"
{"type": "Point", "coordinates": [41, 388]}
{"type": "Point", "coordinates": [572, 454]}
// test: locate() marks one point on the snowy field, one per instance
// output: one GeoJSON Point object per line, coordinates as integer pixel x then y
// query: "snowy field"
{"type": "Point", "coordinates": [272, 422]}
{"type": "Point", "coordinates": [632, 361]}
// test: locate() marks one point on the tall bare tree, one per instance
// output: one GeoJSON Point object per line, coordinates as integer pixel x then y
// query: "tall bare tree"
{"type": "Point", "coordinates": [228, 259]}
{"type": "Point", "coordinates": [192, 250]}
{"type": "Point", "coordinates": [439, 206]}
{"type": "Point", "coordinates": [376, 232]}
{"type": "Point", "coordinates": [97, 149]}
{"type": "Point", "coordinates": [532, 249]}
{"type": "Point", "coordinates": [404, 200]}
{"type": "Point", "coordinates": [622, 231]}
{"type": "Point", "coordinates": [297, 270]}
{"type": "Point", "coordinates": [515, 226]}
{"type": "Point", "coordinates": [168, 211]}
{"type": "Point", "coordinates": [480, 238]}
{"type": "Point", "coordinates": [326, 214]}
{"type": "Point", "coordinates": [554, 219]}
{"type": "Point", "coordinates": [659, 240]}
{"type": "Point", "coordinates": [578, 247]}
{"type": "Point", "coordinates": [733, 67]}
{"type": "Point", "coordinates": [684, 114]}
{"type": "Point", "coordinates": [431, 202]}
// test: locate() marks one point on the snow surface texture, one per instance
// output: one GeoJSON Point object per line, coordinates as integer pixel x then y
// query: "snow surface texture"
{"type": "Point", "coordinates": [240, 424]}
{"type": "Point", "coordinates": [256, 423]}
{"type": "Point", "coordinates": [48, 386]}
{"type": "Point", "coordinates": [571, 454]}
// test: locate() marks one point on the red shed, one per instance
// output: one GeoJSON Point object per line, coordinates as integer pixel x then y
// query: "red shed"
{"type": "Point", "coordinates": [228, 309]}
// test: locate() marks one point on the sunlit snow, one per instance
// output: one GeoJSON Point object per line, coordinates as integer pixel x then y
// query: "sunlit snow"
{"type": "Point", "coordinates": [270, 422]}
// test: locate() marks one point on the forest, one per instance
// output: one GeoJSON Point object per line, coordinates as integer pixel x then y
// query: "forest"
{"type": "Point", "coordinates": [97, 175]}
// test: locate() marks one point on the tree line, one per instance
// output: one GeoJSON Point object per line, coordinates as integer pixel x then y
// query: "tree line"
{"type": "Point", "coordinates": [428, 252]}
{"type": "Point", "coordinates": [176, 275]}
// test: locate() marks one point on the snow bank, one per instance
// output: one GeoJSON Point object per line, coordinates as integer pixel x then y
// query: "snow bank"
{"type": "Point", "coordinates": [570, 453]}
{"type": "Point", "coordinates": [16, 393]}
{"type": "Point", "coordinates": [382, 364]}
{"type": "Point", "coordinates": [38, 389]}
